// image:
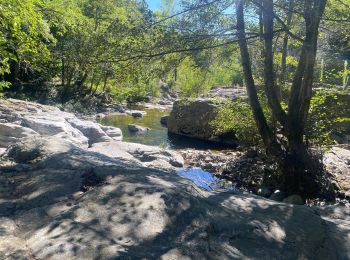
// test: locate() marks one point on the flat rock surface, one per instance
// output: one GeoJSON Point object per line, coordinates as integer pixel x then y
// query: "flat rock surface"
{"type": "Point", "coordinates": [151, 156]}
{"type": "Point", "coordinates": [81, 204]}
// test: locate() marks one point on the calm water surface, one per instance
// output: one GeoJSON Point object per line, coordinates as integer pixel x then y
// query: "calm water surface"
{"type": "Point", "coordinates": [158, 135]}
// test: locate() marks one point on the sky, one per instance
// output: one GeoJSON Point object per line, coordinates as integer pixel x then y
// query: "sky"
{"type": "Point", "coordinates": [153, 4]}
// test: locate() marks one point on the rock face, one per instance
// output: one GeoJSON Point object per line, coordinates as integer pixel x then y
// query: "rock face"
{"type": "Point", "coordinates": [81, 204]}
{"type": "Point", "coordinates": [192, 118]}
{"type": "Point", "coordinates": [21, 119]}
{"type": "Point", "coordinates": [337, 162]}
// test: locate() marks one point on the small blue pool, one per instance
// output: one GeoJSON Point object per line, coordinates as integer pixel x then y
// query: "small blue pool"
{"type": "Point", "coordinates": [204, 179]}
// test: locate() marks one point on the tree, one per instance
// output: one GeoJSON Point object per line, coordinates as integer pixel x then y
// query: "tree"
{"type": "Point", "coordinates": [24, 39]}
{"type": "Point", "coordinates": [291, 154]}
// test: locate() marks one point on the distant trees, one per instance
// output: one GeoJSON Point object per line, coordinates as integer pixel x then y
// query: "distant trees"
{"type": "Point", "coordinates": [24, 39]}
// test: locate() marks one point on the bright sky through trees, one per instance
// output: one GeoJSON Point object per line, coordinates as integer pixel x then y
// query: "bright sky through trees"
{"type": "Point", "coordinates": [154, 4]}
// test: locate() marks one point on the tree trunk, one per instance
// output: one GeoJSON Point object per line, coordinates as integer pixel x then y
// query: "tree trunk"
{"type": "Point", "coordinates": [267, 136]}
{"type": "Point", "coordinates": [285, 43]}
{"type": "Point", "coordinates": [294, 160]}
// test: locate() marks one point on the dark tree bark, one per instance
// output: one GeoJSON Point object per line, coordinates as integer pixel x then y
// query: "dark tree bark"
{"type": "Point", "coordinates": [267, 135]}
{"type": "Point", "coordinates": [285, 43]}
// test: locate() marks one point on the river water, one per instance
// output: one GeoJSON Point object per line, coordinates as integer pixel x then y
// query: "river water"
{"type": "Point", "coordinates": [158, 136]}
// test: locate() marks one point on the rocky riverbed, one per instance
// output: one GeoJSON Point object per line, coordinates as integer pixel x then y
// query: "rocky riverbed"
{"type": "Point", "coordinates": [70, 188]}
{"type": "Point", "coordinates": [253, 172]}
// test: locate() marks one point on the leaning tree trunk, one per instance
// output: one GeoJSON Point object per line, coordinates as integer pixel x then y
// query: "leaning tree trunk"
{"type": "Point", "coordinates": [267, 135]}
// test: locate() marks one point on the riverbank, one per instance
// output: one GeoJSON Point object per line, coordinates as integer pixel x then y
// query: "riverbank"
{"type": "Point", "coordinates": [69, 189]}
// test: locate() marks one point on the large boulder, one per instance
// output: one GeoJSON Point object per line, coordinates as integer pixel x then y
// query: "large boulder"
{"type": "Point", "coordinates": [22, 119]}
{"type": "Point", "coordinates": [46, 124]}
{"type": "Point", "coordinates": [113, 132]}
{"type": "Point", "coordinates": [192, 118]}
{"type": "Point", "coordinates": [84, 205]}
{"type": "Point", "coordinates": [91, 130]}
{"type": "Point", "coordinates": [164, 120]}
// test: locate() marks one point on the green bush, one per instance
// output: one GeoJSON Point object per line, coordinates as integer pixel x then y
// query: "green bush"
{"type": "Point", "coordinates": [329, 116]}
{"type": "Point", "coordinates": [237, 117]}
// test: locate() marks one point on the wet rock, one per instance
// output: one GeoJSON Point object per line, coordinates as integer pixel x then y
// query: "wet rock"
{"type": "Point", "coordinates": [138, 129]}
{"type": "Point", "coordinates": [278, 195]}
{"type": "Point", "coordinates": [137, 114]}
{"type": "Point", "coordinates": [294, 199]}
{"type": "Point", "coordinates": [164, 120]}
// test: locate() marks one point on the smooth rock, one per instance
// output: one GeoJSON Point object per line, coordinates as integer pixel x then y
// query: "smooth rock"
{"type": "Point", "coordinates": [2, 151]}
{"type": "Point", "coordinates": [150, 156]}
{"type": "Point", "coordinates": [22, 119]}
{"type": "Point", "coordinates": [54, 125]}
{"type": "Point", "coordinates": [91, 130]}
{"type": "Point", "coordinates": [136, 212]}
